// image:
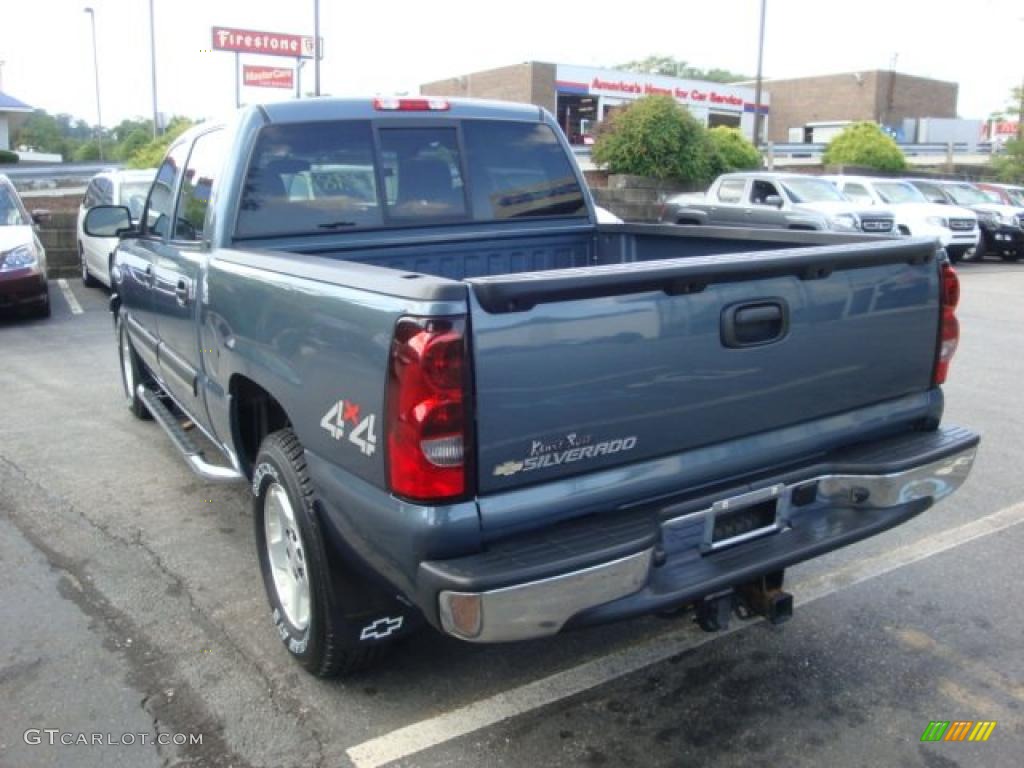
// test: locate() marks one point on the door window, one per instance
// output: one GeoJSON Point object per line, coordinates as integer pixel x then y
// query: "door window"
{"type": "Point", "coordinates": [760, 191]}
{"type": "Point", "coordinates": [202, 171]}
{"type": "Point", "coordinates": [731, 190]}
{"type": "Point", "coordinates": [160, 203]}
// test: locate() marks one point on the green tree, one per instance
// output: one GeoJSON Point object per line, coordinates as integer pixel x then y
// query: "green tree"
{"type": "Point", "coordinates": [656, 137]}
{"type": "Point", "coordinates": [669, 65]}
{"type": "Point", "coordinates": [1010, 164]}
{"type": "Point", "coordinates": [41, 132]}
{"type": "Point", "coordinates": [865, 144]}
{"type": "Point", "coordinates": [87, 152]}
{"type": "Point", "coordinates": [735, 152]}
{"type": "Point", "coordinates": [151, 154]}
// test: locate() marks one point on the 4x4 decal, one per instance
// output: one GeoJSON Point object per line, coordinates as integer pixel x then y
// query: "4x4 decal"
{"type": "Point", "coordinates": [364, 432]}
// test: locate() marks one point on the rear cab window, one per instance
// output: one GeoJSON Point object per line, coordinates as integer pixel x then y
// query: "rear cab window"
{"type": "Point", "coordinates": [311, 178]}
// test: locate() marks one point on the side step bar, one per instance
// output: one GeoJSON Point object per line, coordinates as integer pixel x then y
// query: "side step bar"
{"type": "Point", "coordinates": [189, 450]}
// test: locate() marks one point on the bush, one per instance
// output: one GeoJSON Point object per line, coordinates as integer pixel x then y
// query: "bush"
{"type": "Point", "coordinates": [88, 152]}
{"type": "Point", "coordinates": [151, 154]}
{"type": "Point", "coordinates": [734, 151]}
{"type": "Point", "coordinates": [656, 137]}
{"type": "Point", "coordinates": [865, 144]}
{"type": "Point", "coordinates": [7, 157]}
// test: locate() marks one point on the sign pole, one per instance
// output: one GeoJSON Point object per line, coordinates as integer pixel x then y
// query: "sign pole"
{"type": "Point", "coordinates": [298, 78]}
{"type": "Point", "coordinates": [316, 47]}
{"type": "Point", "coordinates": [238, 87]}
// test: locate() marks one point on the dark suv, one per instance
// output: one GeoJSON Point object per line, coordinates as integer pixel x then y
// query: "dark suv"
{"type": "Point", "coordinates": [1002, 226]}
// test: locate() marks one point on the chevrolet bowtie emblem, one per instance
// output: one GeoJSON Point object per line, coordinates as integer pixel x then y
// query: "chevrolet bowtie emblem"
{"type": "Point", "coordinates": [508, 469]}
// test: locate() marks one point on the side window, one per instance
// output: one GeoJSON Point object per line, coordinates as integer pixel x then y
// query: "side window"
{"type": "Point", "coordinates": [422, 177]}
{"type": "Point", "coordinates": [731, 190]}
{"type": "Point", "coordinates": [204, 164]}
{"type": "Point", "coordinates": [160, 203]}
{"type": "Point", "coordinates": [857, 193]}
{"type": "Point", "coordinates": [760, 191]}
{"type": "Point", "coordinates": [106, 191]}
{"type": "Point", "coordinates": [91, 195]}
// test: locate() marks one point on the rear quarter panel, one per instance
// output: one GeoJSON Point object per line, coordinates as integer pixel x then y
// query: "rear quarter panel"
{"type": "Point", "coordinates": [315, 346]}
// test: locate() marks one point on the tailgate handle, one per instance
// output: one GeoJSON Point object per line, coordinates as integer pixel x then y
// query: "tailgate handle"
{"type": "Point", "coordinates": [754, 323]}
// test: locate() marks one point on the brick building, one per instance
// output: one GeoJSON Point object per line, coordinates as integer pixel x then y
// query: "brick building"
{"type": "Point", "coordinates": [579, 97]}
{"type": "Point", "coordinates": [880, 96]}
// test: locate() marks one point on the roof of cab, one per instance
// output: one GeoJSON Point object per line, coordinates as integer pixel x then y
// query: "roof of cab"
{"type": "Point", "coordinates": [308, 110]}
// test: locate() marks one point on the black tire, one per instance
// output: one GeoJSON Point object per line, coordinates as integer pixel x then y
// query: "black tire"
{"type": "Point", "coordinates": [339, 602]}
{"type": "Point", "coordinates": [44, 309]}
{"type": "Point", "coordinates": [132, 366]}
{"type": "Point", "coordinates": [87, 278]}
{"type": "Point", "coordinates": [979, 251]}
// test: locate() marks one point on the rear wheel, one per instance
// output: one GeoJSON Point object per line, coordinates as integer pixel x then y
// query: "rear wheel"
{"type": "Point", "coordinates": [133, 372]}
{"type": "Point", "coordinates": [320, 608]}
{"type": "Point", "coordinates": [87, 277]}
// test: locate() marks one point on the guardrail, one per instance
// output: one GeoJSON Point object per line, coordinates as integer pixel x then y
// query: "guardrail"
{"type": "Point", "coordinates": [812, 154]}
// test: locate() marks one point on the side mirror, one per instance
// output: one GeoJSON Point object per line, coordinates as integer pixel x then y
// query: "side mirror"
{"type": "Point", "coordinates": [108, 221]}
{"type": "Point", "coordinates": [774, 201]}
{"type": "Point", "coordinates": [41, 216]}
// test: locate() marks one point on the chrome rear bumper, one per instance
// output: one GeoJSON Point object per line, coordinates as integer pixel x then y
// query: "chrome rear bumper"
{"type": "Point", "coordinates": [543, 607]}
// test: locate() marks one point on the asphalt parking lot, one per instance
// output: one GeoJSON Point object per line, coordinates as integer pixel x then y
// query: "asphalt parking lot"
{"type": "Point", "coordinates": [131, 604]}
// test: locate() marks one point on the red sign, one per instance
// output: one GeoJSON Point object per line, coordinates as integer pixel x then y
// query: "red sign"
{"type": "Point", "coordinates": [268, 77]}
{"type": "Point", "coordinates": [266, 43]}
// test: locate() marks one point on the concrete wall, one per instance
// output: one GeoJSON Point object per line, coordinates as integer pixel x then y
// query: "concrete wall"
{"type": "Point", "coordinates": [5, 133]}
{"type": "Point", "coordinates": [856, 96]}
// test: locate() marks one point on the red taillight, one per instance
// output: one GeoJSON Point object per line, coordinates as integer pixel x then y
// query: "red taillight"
{"type": "Point", "coordinates": [949, 328]}
{"type": "Point", "coordinates": [387, 104]}
{"type": "Point", "coordinates": [428, 409]}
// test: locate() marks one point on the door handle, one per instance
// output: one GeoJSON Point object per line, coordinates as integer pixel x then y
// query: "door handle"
{"type": "Point", "coordinates": [149, 275]}
{"type": "Point", "coordinates": [183, 291]}
{"type": "Point", "coordinates": [754, 323]}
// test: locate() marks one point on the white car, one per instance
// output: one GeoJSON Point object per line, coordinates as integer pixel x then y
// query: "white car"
{"type": "Point", "coordinates": [127, 188]}
{"type": "Point", "coordinates": [956, 228]}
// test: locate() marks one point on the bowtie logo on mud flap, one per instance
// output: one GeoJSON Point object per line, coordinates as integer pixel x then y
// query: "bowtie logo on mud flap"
{"type": "Point", "coordinates": [381, 628]}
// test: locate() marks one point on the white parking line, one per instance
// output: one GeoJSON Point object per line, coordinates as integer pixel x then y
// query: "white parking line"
{"type": "Point", "coordinates": [425, 734]}
{"type": "Point", "coordinates": [69, 296]}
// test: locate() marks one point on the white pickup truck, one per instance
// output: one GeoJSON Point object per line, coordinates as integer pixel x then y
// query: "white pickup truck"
{"type": "Point", "coordinates": [956, 228]}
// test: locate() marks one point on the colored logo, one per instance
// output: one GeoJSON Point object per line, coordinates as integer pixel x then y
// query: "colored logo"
{"type": "Point", "coordinates": [958, 730]}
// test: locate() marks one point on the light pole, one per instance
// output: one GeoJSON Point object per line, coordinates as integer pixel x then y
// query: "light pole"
{"type": "Point", "coordinates": [758, 117]}
{"type": "Point", "coordinates": [152, 67]}
{"type": "Point", "coordinates": [316, 47]}
{"type": "Point", "coordinates": [96, 71]}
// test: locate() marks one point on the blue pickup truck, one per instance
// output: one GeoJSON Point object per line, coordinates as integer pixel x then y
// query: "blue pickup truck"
{"type": "Point", "coordinates": [460, 400]}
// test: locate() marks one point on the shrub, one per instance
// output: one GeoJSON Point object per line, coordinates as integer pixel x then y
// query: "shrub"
{"type": "Point", "coordinates": [1010, 165]}
{"type": "Point", "coordinates": [865, 144]}
{"type": "Point", "coordinates": [7, 157]}
{"type": "Point", "coordinates": [735, 152]}
{"type": "Point", "coordinates": [656, 137]}
{"type": "Point", "coordinates": [151, 154]}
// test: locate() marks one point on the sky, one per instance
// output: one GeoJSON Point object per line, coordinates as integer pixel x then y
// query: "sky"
{"type": "Point", "coordinates": [393, 46]}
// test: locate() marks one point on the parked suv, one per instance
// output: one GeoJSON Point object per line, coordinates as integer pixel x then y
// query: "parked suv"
{"type": "Point", "coordinates": [1001, 232]}
{"type": "Point", "coordinates": [956, 228]}
{"type": "Point", "coordinates": [127, 188]}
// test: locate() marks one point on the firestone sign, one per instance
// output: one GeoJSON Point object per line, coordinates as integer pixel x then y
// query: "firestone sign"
{"type": "Point", "coordinates": [268, 77]}
{"type": "Point", "coordinates": [265, 43]}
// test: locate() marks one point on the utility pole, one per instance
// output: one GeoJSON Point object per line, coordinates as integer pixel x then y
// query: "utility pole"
{"type": "Point", "coordinates": [152, 68]}
{"type": "Point", "coordinates": [758, 117]}
{"type": "Point", "coordinates": [1020, 114]}
{"type": "Point", "coordinates": [316, 47]}
{"type": "Point", "coordinates": [96, 72]}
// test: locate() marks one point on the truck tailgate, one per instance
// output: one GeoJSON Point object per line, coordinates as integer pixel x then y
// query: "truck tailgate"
{"type": "Point", "coordinates": [582, 369]}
